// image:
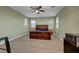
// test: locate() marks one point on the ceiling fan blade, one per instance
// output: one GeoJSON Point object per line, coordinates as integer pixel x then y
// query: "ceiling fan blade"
{"type": "Point", "coordinates": [38, 7]}
{"type": "Point", "coordinates": [33, 8]}
{"type": "Point", "coordinates": [38, 12]}
{"type": "Point", "coordinates": [42, 10]}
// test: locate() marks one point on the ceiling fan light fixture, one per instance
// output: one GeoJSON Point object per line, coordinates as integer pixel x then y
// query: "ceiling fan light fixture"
{"type": "Point", "coordinates": [36, 11]}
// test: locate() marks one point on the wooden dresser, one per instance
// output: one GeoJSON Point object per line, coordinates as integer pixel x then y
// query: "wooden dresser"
{"type": "Point", "coordinates": [40, 35]}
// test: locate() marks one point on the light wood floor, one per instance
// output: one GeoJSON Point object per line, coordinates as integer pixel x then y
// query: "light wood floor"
{"type": "Point", "coordinates": [26, 45]}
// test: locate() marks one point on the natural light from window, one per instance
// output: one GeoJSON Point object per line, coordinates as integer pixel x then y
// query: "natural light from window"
{"type": "Point", "coordinates": [25, 22]}
{"type": "Point", "coordinates": [57, 22]}
{"type": "Point", "coordinates": [33, 23]}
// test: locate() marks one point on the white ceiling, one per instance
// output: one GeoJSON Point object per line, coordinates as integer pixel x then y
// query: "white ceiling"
{"type": "Point", "coordinates": [27, 11]}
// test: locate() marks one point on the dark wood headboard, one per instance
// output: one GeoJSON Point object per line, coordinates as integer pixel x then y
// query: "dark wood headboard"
{"type": "Point", "coordinates": [41, 27]}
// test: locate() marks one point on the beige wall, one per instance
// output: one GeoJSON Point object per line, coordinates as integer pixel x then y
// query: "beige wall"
{"type": "Point", "coordinates": [11, 23]}
{"type": "Point", "coordinates": [69, 21]}
{"type": "Point", "coordinates": [45, 21]}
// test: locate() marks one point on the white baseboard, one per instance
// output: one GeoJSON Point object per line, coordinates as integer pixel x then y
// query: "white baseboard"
{"type": "Point", "coordinates": [17, 37]}
{"type": "Point", "coordinates": [14, 38]}
{"type": "Point", "coordinates": [58, 36]}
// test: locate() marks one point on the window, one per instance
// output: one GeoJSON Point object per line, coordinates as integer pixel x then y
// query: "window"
{"type": "Point", "coordinates": [33, 23]}
{"type": "Point", "coordinates": [57, 22]}
{"type": "Point", "coordinates": [25, 22]}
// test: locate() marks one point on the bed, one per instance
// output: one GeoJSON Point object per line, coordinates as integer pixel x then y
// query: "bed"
{"type": "Point", "coordinates": [41, 32]}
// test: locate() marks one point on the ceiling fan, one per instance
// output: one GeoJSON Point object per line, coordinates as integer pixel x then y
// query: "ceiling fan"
{"type": "Point", "coordinates": [37, 9]}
